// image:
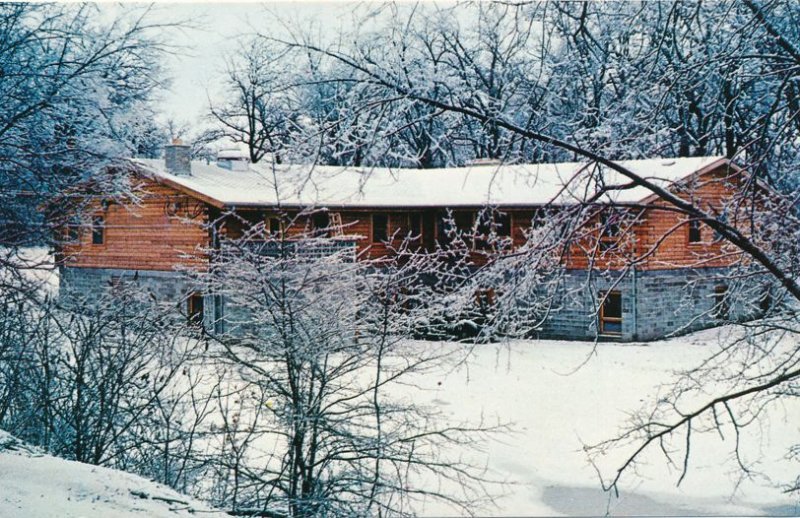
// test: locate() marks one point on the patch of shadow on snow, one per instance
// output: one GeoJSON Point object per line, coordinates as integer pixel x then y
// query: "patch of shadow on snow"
{"type": "Point", "coordinates": [782, 510]}
{"type": "Point", "coordinates": [584, 501]}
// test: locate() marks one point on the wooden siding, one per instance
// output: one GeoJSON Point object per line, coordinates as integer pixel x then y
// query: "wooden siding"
{"type": "Point", "coordinates": [144, 236]}
{"type": "Point", "coordinates": [147, 237]}
{"type": "Point", "coordinates": [658, 237]}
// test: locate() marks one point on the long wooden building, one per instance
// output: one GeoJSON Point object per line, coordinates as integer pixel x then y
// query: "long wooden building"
{"type": "Point", "coordinates": [657, 271]}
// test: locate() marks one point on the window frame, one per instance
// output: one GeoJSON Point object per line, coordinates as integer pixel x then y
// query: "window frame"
{"type": "Point", "coordinates": [603, 318]}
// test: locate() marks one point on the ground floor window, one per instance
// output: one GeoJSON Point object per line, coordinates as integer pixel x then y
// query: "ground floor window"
{"type": "Point", "coordinates": [721, 306]}
{"type": "Point", "coordinates": [219, 315]}
{"type": "Point", "coordinates": [611, 313]}
{"type": "Point", "coordinates": [194, 308]}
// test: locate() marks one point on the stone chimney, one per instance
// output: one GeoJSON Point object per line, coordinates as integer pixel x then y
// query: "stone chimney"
{"type": "Point", "coordinates": [177, 157]}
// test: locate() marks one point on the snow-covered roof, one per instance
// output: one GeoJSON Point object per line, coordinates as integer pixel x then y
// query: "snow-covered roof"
{"type": "Point", "coordinates": [502, 185]}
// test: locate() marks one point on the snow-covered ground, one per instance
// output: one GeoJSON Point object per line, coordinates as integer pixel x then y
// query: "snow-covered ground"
{"type": "Point", "coordinates": [33, 485]}
{"type": "Point", "coordinates": [556, 408]}
{"type": "Point", "coordinates": [557, 395]}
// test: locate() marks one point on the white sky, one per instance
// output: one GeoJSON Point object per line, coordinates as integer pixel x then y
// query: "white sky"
{"type": "Point", "coordinates": [216, 31]}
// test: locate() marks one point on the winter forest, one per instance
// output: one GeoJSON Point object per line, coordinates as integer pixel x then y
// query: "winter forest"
{"type": "Point", "coordinates": [414, 383]}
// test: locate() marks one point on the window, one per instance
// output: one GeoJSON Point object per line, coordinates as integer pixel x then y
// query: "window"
{"type": "Point", "coordinates": [765, 302]}
{"type": "Point", "coordinates": [274, 227]}
{"type": "Point", "coordinates": [463, 222]}
{"type": "Point", "coordinates": [485, 298]}
{"type": "Point", "coordinates": [609, 230]}
{"type": "Point", "coordinates": [194, 308]}
{"type": "Point", "coordinates": [494, 229]}
{"type": "Point", "coordinates": [455, 225]}
{"type": "Point", "coordinates": [98, 230]}
{"type": "Point", "coordinates": [320, 223]}
{"type": "Point", "coordinates": [414, 225]}
{"type": "Point", "coordinates": [219, 315]}
{"type": "Point", "coordinates": [73, 234]}
{"type": "Point", "coordinates": [502, 222]}
{"type": "Point", "coordinates": [611, 313]}
{"type": "Point", "coordinates": [722, 218]}
{"type": "Point", "coordinates": [380, 228]}
{"type": "Point", "coordinates": [695, 235]}
{"type": "Point", "coordinates": [721, 305]}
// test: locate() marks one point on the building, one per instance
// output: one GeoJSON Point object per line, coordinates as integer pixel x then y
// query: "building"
{"type": "Point", "coordinates": [635, 270]}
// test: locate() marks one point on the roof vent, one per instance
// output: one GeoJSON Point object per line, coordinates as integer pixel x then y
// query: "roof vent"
{"type": "Point", "coordinates": [177, 158]}
{"type": "Point", "coordinates": [233, 160]}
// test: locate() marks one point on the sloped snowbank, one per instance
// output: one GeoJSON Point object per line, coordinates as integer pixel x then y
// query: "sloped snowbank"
{"type": "Point", "coordinates": [34, 485]}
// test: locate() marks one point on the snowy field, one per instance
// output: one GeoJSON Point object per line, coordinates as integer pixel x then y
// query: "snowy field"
{"type": "Point", "coordinates": [555, 409]}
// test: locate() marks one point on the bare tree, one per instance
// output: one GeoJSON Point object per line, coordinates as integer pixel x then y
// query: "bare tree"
{"type": "Point", "coordinates": [316, 425]}
{"type": "Point", "coordinates": [259, 110]}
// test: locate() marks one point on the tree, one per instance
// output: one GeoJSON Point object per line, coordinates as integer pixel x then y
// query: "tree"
{"type": "Point", "coordinates": [76, 92]}
{"type": "Point", "coordinates": [316, 425]}
{"type": "Point", "coordinates": [259, 110]}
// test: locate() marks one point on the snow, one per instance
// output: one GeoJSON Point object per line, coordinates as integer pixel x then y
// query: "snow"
{"type": "Point", "coordinates": [560, 395]}
{"type": "Point", "coordinates": [503, 185]}
{"type": "Point", "coordinates": [35, 485]}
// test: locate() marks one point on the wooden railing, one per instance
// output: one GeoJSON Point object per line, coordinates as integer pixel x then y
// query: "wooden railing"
{"type": "Point", "coordinates": [305, 248]}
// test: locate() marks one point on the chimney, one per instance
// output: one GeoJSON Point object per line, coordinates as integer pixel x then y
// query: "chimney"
{"type": "Point", "coordinates": [177, 158]}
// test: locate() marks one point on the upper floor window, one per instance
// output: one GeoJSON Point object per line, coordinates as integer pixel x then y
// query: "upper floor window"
{"type": "Point", "coordinates": [609, 229]}
{"type": "Point", "coordinates": [380, 228]}
{"type": "Point", "coordinates": [494, 229]}
{"type": "Point", "coordinates": [695, 234]}
{"type": "Point", "coordinates": [321, 224]}
{"type": "Point", "coordinates": [451, 226]}
{"type": "Point", "coordinates": [98, 230]}
{"type": "Point", "coordinates": [73, 234]}
{"type": "Point", "coordinates": [274, 227]}
{"type": "Point", "coordinates": [415, 224]}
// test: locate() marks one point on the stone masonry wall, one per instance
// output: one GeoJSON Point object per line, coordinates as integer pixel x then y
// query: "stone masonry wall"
{"type": "Point", "coordinates": [655, 303]}
{"type": "Point", "coordinates": [167, 288]}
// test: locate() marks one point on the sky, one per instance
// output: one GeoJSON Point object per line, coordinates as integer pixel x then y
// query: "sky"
{"type": "Point", "coordinates": [214, 31]}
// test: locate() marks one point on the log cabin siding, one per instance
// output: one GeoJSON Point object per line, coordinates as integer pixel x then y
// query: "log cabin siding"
{"type": "Point", "coordinates": [144, 236]}
{"type": "Point", "coordinates": [666, 232]}
{"type": "Point", "coordinates": [658, 238]}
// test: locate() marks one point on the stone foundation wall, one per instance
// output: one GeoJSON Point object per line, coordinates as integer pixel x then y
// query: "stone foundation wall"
{"type": "Point", "coordinates": [655, 303]}
{"type": "Point", "coordinates": [165, 288]}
